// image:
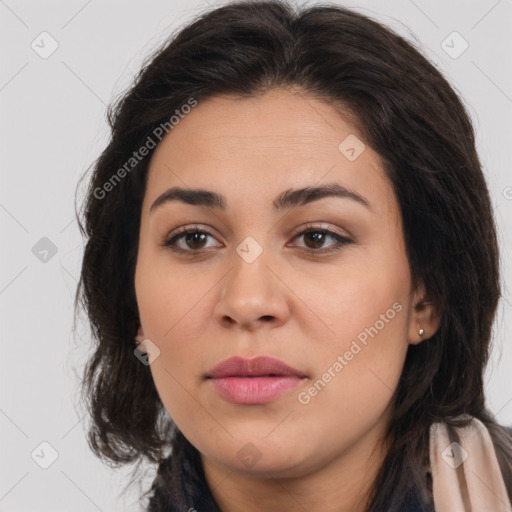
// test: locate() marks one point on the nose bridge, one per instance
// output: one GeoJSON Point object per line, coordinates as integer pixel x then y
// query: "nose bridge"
{"type": "Point", "coordinates": [250, 274]}
{"type": "Point", "coordinates": [251, 290]}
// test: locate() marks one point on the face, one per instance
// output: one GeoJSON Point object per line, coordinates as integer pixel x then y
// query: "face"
{"type": "Point", "coordinates": [319, 282]}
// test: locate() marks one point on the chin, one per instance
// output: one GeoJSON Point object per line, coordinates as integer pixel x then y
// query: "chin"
{"type": "Point", "coordinates": [263, 457]}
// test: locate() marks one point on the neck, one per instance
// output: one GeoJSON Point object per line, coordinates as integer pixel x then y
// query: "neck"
{"type": "Point", "coordinates": [342, 484]}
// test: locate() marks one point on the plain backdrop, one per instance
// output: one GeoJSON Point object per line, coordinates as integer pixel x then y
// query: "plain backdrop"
{"type": "Point", "coordinates": [52, 127]}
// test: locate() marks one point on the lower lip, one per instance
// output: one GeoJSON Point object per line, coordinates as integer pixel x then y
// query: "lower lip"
{"type": "Point", "coordinates": [254, 390]}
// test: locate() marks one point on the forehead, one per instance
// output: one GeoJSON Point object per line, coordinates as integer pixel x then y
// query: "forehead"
{"type": "Point", "coordinates": [281, 121]}
{"type": "Point", "coordinates": [259, 146]}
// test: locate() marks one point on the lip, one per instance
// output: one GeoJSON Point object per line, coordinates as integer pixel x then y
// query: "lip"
{"type": "Point", "coordinates": [253, 381]}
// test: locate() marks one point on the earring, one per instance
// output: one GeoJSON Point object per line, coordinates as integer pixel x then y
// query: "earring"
{"type": "Point", "coordinates": [420, 332]}
{"type": "Point", "coordinates": [140, 337]}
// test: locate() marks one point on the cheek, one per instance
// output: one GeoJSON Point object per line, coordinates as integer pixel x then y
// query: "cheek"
{"type": "Point", "coordinates": [368, 353]}
{"type": "Point", "coordinates": [354, 387]}
{"type": "Point", "coordinates": [364, 297]}
{"type": "Point", "coordinates": [172, 311]}
{"type": "Point", "coordinates": [166, 295]}
{"type": "Point", "coordinates": [366, 310]}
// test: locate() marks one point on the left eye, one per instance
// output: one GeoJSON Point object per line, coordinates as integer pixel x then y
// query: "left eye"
{"type": "Point", "coordinates": [195, 238]}
{"type": "Point", "coordinates": [318, 238]}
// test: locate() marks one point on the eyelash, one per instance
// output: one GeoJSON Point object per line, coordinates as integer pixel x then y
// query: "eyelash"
{"type": "Point", "coordinates": [170, 243]}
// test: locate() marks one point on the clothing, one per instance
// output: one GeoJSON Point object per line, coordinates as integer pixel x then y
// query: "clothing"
{"type": "Point", "coordinates": [466, 474]}
{"type": "Point", "coordinates": [472, 459]}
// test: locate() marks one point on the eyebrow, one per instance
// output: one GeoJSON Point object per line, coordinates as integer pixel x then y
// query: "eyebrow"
{"type": "Point", "coordinates": [290, 198]}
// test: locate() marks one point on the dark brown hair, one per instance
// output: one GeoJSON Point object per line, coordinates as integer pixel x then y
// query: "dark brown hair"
{"type": "Point", "coordinates": [409, 114]}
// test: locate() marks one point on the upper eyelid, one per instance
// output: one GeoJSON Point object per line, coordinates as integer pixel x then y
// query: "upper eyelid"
{"type": "Point", "coordinates": [320, 226]}
{"type": "Point", "coordinates": [311, 226]}
{"type": "Point", "coordinates": [191, 229]}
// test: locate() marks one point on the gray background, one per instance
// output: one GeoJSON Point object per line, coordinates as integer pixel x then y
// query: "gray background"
{"type": "Point", "coordinates": [52, 127]}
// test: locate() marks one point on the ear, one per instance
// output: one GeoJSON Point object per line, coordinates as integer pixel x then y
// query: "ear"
{"type": "Point", "coordinates": [424, 315]}
{"type": "Point", "coordinates": [140, 335]}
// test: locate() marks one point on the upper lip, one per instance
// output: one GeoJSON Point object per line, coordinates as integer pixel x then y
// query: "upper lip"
{"type": "Point", "coordinates": [257, 366]}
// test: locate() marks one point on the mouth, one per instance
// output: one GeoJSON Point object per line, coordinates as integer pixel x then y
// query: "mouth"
{"type": "Point", "coordinates": [253, 381]}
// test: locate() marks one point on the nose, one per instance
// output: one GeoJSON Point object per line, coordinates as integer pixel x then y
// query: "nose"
{"type": "Point", "coordinates": [252, 295]}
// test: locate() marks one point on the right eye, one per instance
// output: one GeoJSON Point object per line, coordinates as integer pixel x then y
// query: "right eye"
{"type": "Point", "coordinates": [193, 239]}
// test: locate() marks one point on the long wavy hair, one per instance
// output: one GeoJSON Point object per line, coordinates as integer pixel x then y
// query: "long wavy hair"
{"type": "Point", "coordinates": [409, 114]}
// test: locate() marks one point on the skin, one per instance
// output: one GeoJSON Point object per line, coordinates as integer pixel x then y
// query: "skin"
{"type": "Point", "coordinates": [303, 309]}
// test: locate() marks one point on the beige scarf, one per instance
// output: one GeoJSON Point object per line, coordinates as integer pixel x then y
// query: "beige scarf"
{"type": "Point", "coordinates": [466, 476]}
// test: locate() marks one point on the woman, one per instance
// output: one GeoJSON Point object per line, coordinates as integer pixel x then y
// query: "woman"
{"type": "Point", "coordinates": [292, 272]}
